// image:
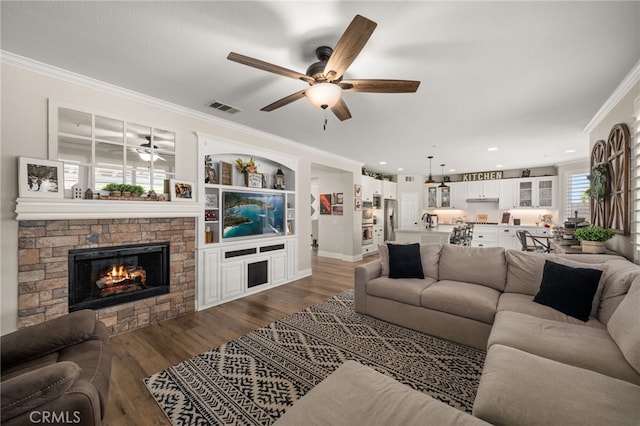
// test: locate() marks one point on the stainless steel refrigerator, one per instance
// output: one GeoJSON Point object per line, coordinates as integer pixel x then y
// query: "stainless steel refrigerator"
{"type": "Point", "coordinates": [390, 219]}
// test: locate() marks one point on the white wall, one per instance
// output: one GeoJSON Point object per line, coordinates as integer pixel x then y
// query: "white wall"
{"type": "Point", "coordinates": [24, 133]}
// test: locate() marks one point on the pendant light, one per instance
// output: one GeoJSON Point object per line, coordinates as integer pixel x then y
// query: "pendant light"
{"type": "Point", "coordinates": [442, 185]}
{"type": "Point", "coordinates": [430, 179]}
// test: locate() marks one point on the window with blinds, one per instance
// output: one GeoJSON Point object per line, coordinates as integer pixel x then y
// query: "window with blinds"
{"type": "Point", "coordinates": [635, 182]}
{"type": "Point", "coordinates": [575, 186]}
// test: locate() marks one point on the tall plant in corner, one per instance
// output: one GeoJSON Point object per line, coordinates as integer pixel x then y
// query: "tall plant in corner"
{"type": "Point", "coordinates": [598, 184]}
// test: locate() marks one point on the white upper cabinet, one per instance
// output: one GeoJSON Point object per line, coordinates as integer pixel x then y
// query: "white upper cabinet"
{"type": "Point", "coordinates": [389, 190]}
{"type": "Point", "coordinates": [507, 198]}
{"type": "Point", "coordinates": [537, 192]}
{"type": "Point", "coordinates": [370, 187]}
{"type": "Point", "coordinates": [483, 189]}
{"type": "Point", "coordinates": [442, 198]}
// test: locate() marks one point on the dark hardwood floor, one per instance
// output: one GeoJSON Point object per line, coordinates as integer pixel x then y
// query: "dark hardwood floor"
{"type": "Point", "coordinates": [140, 353]}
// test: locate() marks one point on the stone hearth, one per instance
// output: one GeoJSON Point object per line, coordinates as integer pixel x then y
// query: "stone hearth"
{"type": "Point", "coordinates": [43, 263]}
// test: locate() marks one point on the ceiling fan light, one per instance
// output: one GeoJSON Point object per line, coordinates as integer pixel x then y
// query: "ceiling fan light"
{"type": "Point", "coordinates": [145, 156]}
{"type": "Point", "coordinates": [323, 95]}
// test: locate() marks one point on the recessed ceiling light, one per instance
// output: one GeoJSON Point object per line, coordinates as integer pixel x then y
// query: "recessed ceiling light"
{"type": "Point", "coordinates": [493, 148]}
{"type": "Point", "coordinates": [383, 162]}
{"type": "Point", "coordinates": [452, 170]}
{"type": "Point", "coordinates": [499, 166]}
{"type": "Point", "coordinates": [569, 151]}
{"type": "Point", "coordinates": [400, 169]}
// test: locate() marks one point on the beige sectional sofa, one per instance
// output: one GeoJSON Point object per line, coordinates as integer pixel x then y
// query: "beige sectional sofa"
{"type": "Point", "coordinates": [543, 367]}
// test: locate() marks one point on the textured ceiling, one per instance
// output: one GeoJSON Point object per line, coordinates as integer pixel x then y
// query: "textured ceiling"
{"type": "Point", "coordinates": [523, 77]}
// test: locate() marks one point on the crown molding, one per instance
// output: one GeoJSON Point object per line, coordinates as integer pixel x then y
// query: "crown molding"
{"type": "Point", "coordinates": [32, 65]}
{"type": "Point", "coordinates": [621, 91]}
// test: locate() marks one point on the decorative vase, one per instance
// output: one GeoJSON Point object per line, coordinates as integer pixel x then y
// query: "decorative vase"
{"type": "Point", "coordinates": [593, 247]}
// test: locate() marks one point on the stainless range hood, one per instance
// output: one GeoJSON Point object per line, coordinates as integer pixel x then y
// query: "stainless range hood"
{"type": "Point", "coordinates": [482, 200]}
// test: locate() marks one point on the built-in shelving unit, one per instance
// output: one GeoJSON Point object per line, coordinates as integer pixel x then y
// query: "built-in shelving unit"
{"type": "Point", "coordinates": [247, 239]}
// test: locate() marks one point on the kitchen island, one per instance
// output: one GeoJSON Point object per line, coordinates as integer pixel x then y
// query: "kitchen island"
{"type": "Point", "coordinates": [420, 234]}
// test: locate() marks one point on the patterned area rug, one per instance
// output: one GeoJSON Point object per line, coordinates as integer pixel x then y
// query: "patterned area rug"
{"type": "Point", "coordinates": [253, 379]}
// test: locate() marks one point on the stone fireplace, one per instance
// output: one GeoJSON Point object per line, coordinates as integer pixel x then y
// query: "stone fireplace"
{"type": "Point", "coordinates": [45, 247]}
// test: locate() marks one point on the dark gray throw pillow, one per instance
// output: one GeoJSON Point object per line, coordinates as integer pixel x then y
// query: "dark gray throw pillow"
{"type": "Point", "coordinates": [405, 261]}
{"type": "Point", "coordinates": [568, 290]}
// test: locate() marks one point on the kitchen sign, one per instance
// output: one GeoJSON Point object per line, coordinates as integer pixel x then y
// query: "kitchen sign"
{"type": "Point", "coordinates": [470, 177]}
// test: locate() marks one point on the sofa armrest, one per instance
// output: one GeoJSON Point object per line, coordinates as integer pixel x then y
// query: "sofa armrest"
{"type": "Point", "coordinates": [25, 392]}
{"type": "Point", "coordinates": [47, 337]}
{"type": "Point", "coordinates": [364, 274]}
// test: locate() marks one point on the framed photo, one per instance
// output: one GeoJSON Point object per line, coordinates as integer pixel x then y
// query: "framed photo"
{"type": "Point", "coordinates": [211, 201]}
{"type": "Point", "coordinates": [40, 178]}
{"type": "Point", "coordinates": [254, 180]}
{"type": "Point", "coordinates": [357, 190]}
{"type": "Point", "coordinates": [180, 190]}
{"type": "Point", "coordinates": [357, 204]}
{"type": "Point", "coordinates": [338, 198]}
{"type": "Point", "coordinates": [210, 174]}
{"type": "Point", "coordinates": [325, 203]}
{"type": "Point", "coordinates": [337, 210]}
{"type": "Point", "coordinates": [226, 173]}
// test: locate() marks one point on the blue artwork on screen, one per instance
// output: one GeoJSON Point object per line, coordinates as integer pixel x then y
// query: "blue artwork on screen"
{"type": "Point", "coordinates": [252, 214]}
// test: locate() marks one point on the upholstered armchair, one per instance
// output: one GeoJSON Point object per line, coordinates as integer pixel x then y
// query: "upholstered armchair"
{"type": "Point", "coordinates": [56, 372]}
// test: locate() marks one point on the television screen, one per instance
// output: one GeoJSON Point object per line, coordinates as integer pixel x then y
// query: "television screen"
{"type": "Point", "coordinates": [252, 214]}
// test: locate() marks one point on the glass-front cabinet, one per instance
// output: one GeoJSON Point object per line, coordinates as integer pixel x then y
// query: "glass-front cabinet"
{"type": "Point", "coordinates": [537, 192]}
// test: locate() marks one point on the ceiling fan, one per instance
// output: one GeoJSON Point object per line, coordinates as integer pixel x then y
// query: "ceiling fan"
{"type": "Point", "coordinates": [325, 77]}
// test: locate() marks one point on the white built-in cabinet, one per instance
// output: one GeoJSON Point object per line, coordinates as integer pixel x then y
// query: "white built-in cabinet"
{"type": "Point", "coordinates": [229, 266]}
{"type": "Point", "coordinates": [539, 192]}
{"type": "Point", "coordinates": [452, 196]}
{"type": "Point", "coordinates": [507, 198]}
{"type": "Point", "coordinates": [483, 189]}
{"type": "Point", "coordinates": [389, 190]}
{"type": "Point", "coordinates": [370, 187]}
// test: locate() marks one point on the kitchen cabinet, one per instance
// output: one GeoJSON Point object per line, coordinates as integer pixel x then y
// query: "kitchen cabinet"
{"type": "Point", "coordinates": [389, 190]}
{"type": "Point", "coordinates": [371, 187]}
{"type": "Point", "coordinates": [483, 189]}
{"type": "Point", "coordinates": [440, 198]}
{"type": "Point", "coordinates": [507, 197]}
{"type": "Point", "coordinates": [537, 192]}
{"type": "Point", "coordinates": [507, 237]}
{"type": "Point", "coordinates": [485, 236]}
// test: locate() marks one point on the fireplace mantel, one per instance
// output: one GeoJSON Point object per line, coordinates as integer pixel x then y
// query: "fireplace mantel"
{"type": "Point", "coordinates": [66, 209]}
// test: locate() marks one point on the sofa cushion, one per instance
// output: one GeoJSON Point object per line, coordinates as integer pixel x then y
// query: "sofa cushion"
{"type": "Point", "coordinates": [624, 325]}
{"type": "Point", "coordinates": [477, 265]}
{"type": "Point", "coordinates": [405, 261]}
{"type": "Point", "coordinates": [618, 279]}
{"type": "Point", "coordinates": [429, 254]}
{"type": "Point", "coordinates": [569, 290]}
{"type": "Point", "coordinates": [573, 344]}
{"type": "Point", "coordinates": [467, 300]}
{"type": "Point", "coordinates": [525, 269]}
{"type": "Point", "coordinates": [404, 290]}
{"type": "Point", "coordinates": [519, 388]}
{"type": "Point", "coordinates": [359, 395]}
{"type": "Point", "coordinates": [524, 303]}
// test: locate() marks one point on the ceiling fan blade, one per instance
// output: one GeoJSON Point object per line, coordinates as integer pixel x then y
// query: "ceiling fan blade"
{"type": "Point", "coordinates": [341, 110]}
{"type": "Point", "coordinates": [349, 46]}
{"type": "Point", "coordinates": [266, 66]}
{"type": "Point", "coordinates": [380, 86]}
{"type": "Point", "coordinates": [285, 101]}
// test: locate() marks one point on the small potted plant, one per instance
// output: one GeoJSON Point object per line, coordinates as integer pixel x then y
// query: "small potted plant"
{"type": "Point", "coordinates": [593, 238]}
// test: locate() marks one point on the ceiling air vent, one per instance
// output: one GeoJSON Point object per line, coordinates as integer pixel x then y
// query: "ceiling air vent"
{"type": "Point", "coordinates": [409, 178]}
{"type": "Point", "coordinates": [223, 107]}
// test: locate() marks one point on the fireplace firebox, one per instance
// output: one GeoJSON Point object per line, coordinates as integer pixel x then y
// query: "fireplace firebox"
{"type": "Point", "coordinates": [107, 276]}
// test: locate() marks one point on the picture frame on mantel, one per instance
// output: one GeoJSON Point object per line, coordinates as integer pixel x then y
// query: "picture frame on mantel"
{"type": "Point", "coordinates": [39, 178]}
{"type": "Point", "coordinates": [181, 190]}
